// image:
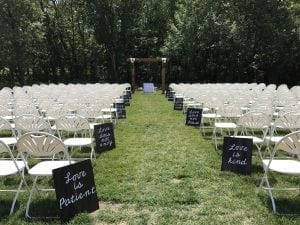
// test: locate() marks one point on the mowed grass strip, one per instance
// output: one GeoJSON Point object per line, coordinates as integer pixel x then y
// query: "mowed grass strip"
{"type": "Point", "coordinates": [163, 172]}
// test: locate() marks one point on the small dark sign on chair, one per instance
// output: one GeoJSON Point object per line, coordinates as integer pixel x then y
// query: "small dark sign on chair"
{"type": "Point", "coordinates": [75, 189]}
{"type": "Point", "coordinates": [237, 155]}
{"type": "Point", "coordinates": [193, 117]}
{"type": "Point", "coordinates": [178, 104]}
{"type": "Point", "coordinates": [121, 111]}
{"type": "Point", "coordinates": [104, 136]}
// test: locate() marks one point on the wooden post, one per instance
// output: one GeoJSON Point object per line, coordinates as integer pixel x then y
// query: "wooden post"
{"type": "Point", "coordinates": [163, 75]}
{"type": "Point", "coordinates": [149, 60]}
{"type": "Point", "coordinates": [132, 75]}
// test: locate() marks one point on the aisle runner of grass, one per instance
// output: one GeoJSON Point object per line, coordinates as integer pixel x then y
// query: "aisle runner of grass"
{"type": "Point", "coordinates": [163, 172]}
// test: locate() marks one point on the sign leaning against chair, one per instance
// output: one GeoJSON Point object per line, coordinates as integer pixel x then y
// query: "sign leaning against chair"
{"type": "Point", "coordinates": [237, 155]}
{"type": "Point", "coordinates": [193, 117]}
{"type": "Point", "coordinates": [75, 189]}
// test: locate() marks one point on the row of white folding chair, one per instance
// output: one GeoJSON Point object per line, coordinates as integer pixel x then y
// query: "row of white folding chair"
{"type": "Point", "coordinates": [260, 120]}
{"type": "Point", "coordinates": [226, 117]}
{"type": "Point", "coordinates": [254, 125]}
{"type": "Point", "coordinates": [284, 124]}
{"type": "Point", "coordinates": [65, 124]}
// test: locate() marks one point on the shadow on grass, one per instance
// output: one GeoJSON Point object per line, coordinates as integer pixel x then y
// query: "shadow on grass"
{"type": "Point", "coordinates": [5, 208]}
{"type": "Point", "coordinates": [286, 207]}
{"type": "Point", "coordinates": [46, 207]}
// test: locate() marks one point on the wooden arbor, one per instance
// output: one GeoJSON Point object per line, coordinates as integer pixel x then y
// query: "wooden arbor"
{"type": "Point", "coordinates": [149, 60]}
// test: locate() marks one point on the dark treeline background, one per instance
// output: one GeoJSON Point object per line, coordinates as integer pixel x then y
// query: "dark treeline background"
{"type": "Point", "coordinates": [44, 41]}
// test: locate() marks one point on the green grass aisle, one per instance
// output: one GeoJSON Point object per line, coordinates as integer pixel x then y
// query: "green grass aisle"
{"type": "Point", "coordinates": [163, 172]}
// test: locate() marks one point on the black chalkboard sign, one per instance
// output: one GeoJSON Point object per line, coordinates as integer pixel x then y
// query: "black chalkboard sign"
{"type": "Point", "coordinates": [178, 104]}
{"type": "Point", "coordinates": [193, 117]}
{"type": "Point", "coordinates": [170, 95]}
{"type": "Point", "coordinates": [75, 189]}
{"type": "Point", "coordinates": [237, 155]}
{"type": "Point", "coordinates": [104, 136]}
{"type": "Point", "coordinates": [121, 111]}
{"type": "Point", "coordinates": [128, 93]}
{"type": "Point", "coordinates": [126, 100]}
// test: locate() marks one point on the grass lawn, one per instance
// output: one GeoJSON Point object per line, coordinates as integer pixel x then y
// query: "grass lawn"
{"type": "Point", "coordinates": [163, 172]}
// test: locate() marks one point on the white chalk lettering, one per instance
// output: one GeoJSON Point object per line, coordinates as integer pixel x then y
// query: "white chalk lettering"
{"type": "Point", "coordinates": [104, 135]}
{"type": "Point", "coordinates": [237, 161]}
{"type": "Point", "coordinates": [236, 154]}
{"type": "Point", "coordinates": [235, 147]}
{"type": "Point", "coordinates": [78, 186]}
{"type": "Point", "coordinates": [75, 177]}
{"type": "Point", "coordinates": [105, 129]}
{"type": "Point", "coordinates": [64, 202]}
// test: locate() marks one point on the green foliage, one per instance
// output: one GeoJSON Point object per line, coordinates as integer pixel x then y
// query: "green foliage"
{"type": "Point", "coordinates": [235, 41]}
{"type": "Point", "coordinates": [207, 40]}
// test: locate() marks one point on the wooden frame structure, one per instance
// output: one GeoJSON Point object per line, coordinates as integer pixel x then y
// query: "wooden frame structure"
{"type": "Point", "coordinates": [149, 60]}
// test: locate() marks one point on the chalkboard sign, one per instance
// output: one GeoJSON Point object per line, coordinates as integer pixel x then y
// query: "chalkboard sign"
{"type": "Point", "coordinates": [170, 95]}
{"type": "Point", "coordinates": [237, 155]}
{"type": "Point", "coordinates": [121, 111]}
{"type": "Point", "coordinates": [126, 100]}
{"type": "Point", "coordinates": [178, 104]}
{"type": "Point", "coordinates": [128, 93]}
{"type": "Point", "coordinates": [75, 189]}
{"type": "Point", "coordinates": [104, 136]}
{"type": "Point", "coordinates": [193, 117]}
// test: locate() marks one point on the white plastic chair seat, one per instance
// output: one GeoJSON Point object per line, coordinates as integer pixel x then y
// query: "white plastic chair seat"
{"type": "Point", "coordinates": [274, 139]}
{"type": "Point", "coordinates": [210, 115]}
{"type": "Point", "coordinates": [225, 125]}
{"type": "Point", "coordinates": [285, 166]}
{"type": "Point", "coordinates": [256, 140]}
{"type": "Point", "coordinates": [7, 167]}
{"type": "Point", "coordinates": [78, 141]}
{"type": "Point", "coordinates": [9, 117]}
{"type": "Point", "coordinates": [9, 140]}
{"type": "Point", "coordinates": [108, 110]}
{"type": "Point", "coordinates": [51, 118]}
{"type": "Point", "coordinates": [104, 117]}
{"type": "Point", "coordinates": [92, 125]}
{"type": "Point", "coordinates": [45, 168]}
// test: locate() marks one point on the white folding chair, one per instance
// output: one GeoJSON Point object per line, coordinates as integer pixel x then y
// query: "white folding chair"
{"type": "Point", "coordinates": [227, 121]}
{"type": "Point", "coordinates": [286, 123]}
{"type": "Point", "coordinates": [255, 126]}
{"type": "Point", "coordinates": [9, 167]}
{"type": "Point", "coordinates": [285, 161]}
{"type": "Point", "coordinates": [6, 113]}
{"type": "Point", "coordinates": [93, 114]}
{"type": "Point", "coordinates": [41, 147]}
{"type": "Point", "coordinates": [75, 131]}
{"type": "Point", "coordinates": [29, 123]}
{"type": "Point", "coordinates": [7, 133]}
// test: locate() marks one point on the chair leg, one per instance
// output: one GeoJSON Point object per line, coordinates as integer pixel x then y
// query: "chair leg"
{"type": "Point", "coordinates": [202, 129]}
{"type": "Point", "coordinates": [92, 155]}
{"type": "Point", "coordinates": [271, 195]}
{"type": "Point", "coordinates": [269, 189]}
{"type": "Point", "coordinates": [214, 136]}
{"type": "Point", "coordinates": [30, 196]}
{"type": "Point", "coordinates": [16, 197]}
{"type": "Point", "coordinates": [261, 183]}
